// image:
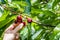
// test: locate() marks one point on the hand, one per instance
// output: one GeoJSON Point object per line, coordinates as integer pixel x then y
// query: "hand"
{"type": "Point", "coordinates": [11, 33]}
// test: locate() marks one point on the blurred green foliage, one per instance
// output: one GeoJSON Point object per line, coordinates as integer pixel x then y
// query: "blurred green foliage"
{"type": "Point", "coordinates": [42, 11]}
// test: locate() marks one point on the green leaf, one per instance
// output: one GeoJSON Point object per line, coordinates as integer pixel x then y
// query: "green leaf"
{"type": "Point", "coordinates": [5, 14]}
{"type": "Point", "coordinates": [52, 3]}
{"type": "Point", "coordinates": [1, 11]}
{"type": "Point", "coordinates": [55, 32]}
{"type": "Point", "coordinates": [23, 33]}
{"type": "Point", "coordinates": [6, 21]}
{"type": "Point", "coordinates": [22, 3]}
{"type": "Point", "coordinates": [28, 7]}
{"type": "Point", "coordinates": [37, 34]}
{"type": "Point", "coordinates": [3, 28]}
{"type": "Point", "coordinates": [55, 3]}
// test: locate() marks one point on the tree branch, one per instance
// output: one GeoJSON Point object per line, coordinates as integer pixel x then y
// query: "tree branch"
{"type": "Point", "coordinates": [26, 16]}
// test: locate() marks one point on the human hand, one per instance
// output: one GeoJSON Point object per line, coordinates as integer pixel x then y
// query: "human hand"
{"type": "Point", "coordinates": [11, 33]}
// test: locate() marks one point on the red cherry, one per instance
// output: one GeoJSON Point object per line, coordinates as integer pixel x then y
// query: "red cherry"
{"type": "Point", "coordinates": [19, 18]}
{"type": "Point", "coordinates": [24, 23]}
{"type": "Point", "coordinates": [19, 21]}
{"type": "Point", "coordinates": [29, 20]}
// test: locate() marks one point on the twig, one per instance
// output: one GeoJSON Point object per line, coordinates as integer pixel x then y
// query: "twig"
{"type": "Point", "coordinates": [26, 16]}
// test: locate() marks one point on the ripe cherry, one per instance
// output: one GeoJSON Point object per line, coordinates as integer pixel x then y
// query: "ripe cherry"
{"type": "Point", "coordinates": [18, 21]}
{"type": "Point", "coordinates": [29, 20]}
{"type": "Point", "coordinates": [19, 18]}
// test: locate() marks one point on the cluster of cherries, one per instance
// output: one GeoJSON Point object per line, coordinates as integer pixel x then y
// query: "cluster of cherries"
{"type": "Point", "coordinates": [19, 20]}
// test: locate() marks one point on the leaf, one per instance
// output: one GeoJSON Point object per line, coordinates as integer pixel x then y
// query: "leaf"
{"type": "Point", "coordinates": [28, 7]}
{"type": "Point", "coordinates": [36, 35]}
{"type": "Point", "coordinates": [3, 28]}
{"type": "Point", "coordinates": [6, 21]}
{"type": "Point", "coordinates": [22, 3]}
{"type": "Point", "coordinates": [57, 37]}
{"type": "Point", "coordinates": [52, 3]}
{"type": "Point", "coordinates": [55, 32]}
{"type": "Point", "coordinates": [5, 14]}
{"type": "Point", "coordinates": [55, 3]}
{"type": "Point", "coordinates": [23, 33]}
{"type": "Point", "coordinates": [49, 4]}
{"type": "Point", "coordinates": [1, 11]}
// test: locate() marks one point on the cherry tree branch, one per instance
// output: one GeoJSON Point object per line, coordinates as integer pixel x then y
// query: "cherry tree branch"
{"type": "Point", "coordinates": [26, 16]}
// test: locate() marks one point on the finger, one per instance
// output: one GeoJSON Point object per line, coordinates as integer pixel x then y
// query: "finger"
{"type": "Point", "coordinates": [11, 27]}
{"type": "Point", "coordinates": [20, 26]}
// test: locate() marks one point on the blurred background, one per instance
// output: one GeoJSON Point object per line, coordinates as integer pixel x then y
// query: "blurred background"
{"type": "Point", "coordinates": [44, 13]}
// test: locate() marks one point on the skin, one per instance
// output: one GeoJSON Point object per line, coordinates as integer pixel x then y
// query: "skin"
{"type": "Point", "coordinates": [11, 33]}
